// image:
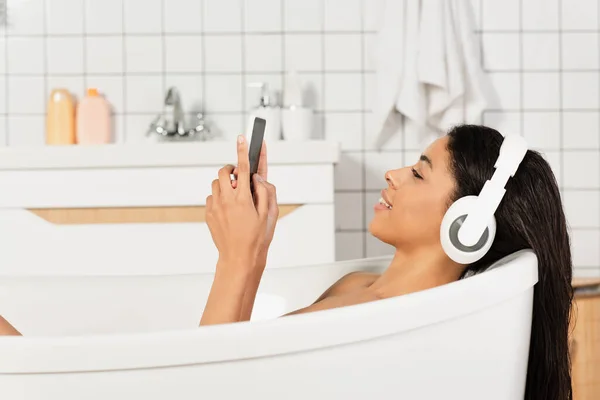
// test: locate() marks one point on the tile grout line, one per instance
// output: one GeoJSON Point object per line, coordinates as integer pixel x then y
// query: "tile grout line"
{"type": "Point", "coordinates": [84, 49]}
{"type": "Point", "coordinates": [163, 43]}
{"type": "Point", "coordinates": [243, 72]}
{"type": "Point", "coordinates": [561, 124]}
{"type": "Point", "coordinates": [6, 78]}
{"type": "Point", "coordinates": [195, 33]}
{"type": "Point", "coordinates": [124, 75]}
{"type": "Point", "coordinates": [323, 67]}
{"type": "Point", "coordinates": [521, 73]}
{"type": "Point", "coordinates": [46, 62]}
{"type": "Point", "coordinates": [363, 141]}
{"type": "Point", "coordinates": [283, 60]}
{"type": "Point", "coordinates": [184, 73]}
{"type": "Point", "coordinates": [203, 51]}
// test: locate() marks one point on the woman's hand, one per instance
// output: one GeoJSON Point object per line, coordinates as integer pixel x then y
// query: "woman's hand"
{"type": "Point", "coordinates": [238, 225]}
{"type": "Point", "coordinates": [242, 229]}
{"type": "Point", "coordinates": [273, 207]}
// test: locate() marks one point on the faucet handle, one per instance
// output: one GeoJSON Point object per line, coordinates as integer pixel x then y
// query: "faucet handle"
{"type": "Point", "coordinates": [157, 126]}
{"type": "Point", "coordinates": [200, 129]}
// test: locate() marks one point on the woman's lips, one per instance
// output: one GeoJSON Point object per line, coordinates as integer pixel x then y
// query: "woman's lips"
{"type": "Point", "coordinates": [384, 196]}
{"type": "Point", "coordinates": [380, 207]}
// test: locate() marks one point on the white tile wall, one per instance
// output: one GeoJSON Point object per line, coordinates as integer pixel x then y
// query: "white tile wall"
{"type": "Point", "coordinates": [182, 54]}
{"type": "Point", "coordinates": [579, 15]}
{"type": "Point", "coordinates": [103, 16]}
{"type": "Point", "coordinates": [580, 51]}
{"type": "Point", "coordinates": [540, 14]}
{"type": "Point", "coordinates": [59, 17]}
{"type": "Point", "coordinates": [104, 55]}
{"type": "Point", "coordinates": [540, 51]}
{"type": "Point", "coordinates": [64, 55]}
{"type": "Point", "coordinates": [25, 55]}
{"type": "Point", "coordinates": [303, 52]}
{"type": "Point", "coordinates": [263, 15]}
{"type": "Point", "coordinates": [142, 16]}
{"type": "Point", "coordinates": [501, 51]}
{"type": "Point", "coordinates": [182, 16]}
{"type": "Point", "coordinates": [223, 53]}
{"type": "Point", "coordinates": [303, 15]}
{"type": "Point", "coordinates": [144, 54]}
{"type": "Point", "coordinates": [543, 61]}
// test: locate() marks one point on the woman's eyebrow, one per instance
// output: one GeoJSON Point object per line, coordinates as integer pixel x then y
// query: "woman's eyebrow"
{"type": "Point", "coordinates": [427, 160]}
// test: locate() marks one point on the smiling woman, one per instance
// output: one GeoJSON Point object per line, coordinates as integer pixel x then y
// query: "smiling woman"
{"type": "Point", "coordinates": [416, 199]}
{"type": "Point", "coordinates": [409, 217]}
{"type": "Point", "coordinates": [530, 215]}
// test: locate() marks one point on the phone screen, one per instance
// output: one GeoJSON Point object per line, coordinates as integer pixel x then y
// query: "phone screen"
{"type": "Point", "coordinates": [258, 133]}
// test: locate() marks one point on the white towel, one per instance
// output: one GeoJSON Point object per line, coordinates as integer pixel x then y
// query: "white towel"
{"type": "Point", "coordinates": [427, 68]}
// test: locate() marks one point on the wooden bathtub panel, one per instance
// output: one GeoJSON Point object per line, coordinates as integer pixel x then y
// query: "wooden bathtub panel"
{"type": "Point", "coordinates": [130, 215]}
{"type": "Point", "coordinates": [586, 346]}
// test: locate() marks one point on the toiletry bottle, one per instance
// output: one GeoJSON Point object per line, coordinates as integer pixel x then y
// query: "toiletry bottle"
{"type": "Point", "coordinates": [60, 118]}
{"type": "Point", "coordinates": [93, 119]}
{"type": "Point", "coordinates": [296, 119]}
{"type": "Point", "coordinates": [269, 111]}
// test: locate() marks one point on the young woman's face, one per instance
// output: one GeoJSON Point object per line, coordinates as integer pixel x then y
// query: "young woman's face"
{"type": "Point", "coordinates": [419, 196]}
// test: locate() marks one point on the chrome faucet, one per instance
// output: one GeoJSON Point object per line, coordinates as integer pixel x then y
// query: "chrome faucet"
{"type": "Point", "coordinates": [170, 124]}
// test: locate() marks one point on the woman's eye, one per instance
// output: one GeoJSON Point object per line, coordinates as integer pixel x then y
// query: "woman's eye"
{"type": "Point", "coordinates": [416, 174]}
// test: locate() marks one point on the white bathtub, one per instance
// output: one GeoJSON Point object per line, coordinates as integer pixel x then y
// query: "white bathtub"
{"type": "Point", "coordinates": [465, 340]}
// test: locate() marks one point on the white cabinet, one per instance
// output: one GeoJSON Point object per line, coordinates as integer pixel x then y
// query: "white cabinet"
{"type": "Point", "coordinates": [92, 209]}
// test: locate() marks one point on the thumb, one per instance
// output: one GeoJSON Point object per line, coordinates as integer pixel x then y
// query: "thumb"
{"type": "Point", "coordinates": [262, 195]}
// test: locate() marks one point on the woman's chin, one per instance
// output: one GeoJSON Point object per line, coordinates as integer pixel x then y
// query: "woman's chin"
{"type": "Point", "coordinates": [375, 228]}
{"type": "Point", "coordinates": [378, 229]}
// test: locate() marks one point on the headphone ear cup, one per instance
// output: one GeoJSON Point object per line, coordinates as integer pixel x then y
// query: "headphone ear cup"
{"type": "Point", "coordinates": [453, 220]}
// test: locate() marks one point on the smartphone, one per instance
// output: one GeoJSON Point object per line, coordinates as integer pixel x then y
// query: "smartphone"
{"type": "Point", "coordinates": [258, 133]}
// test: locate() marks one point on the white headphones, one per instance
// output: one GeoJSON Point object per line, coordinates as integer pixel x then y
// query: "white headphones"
{"type": "Point", "coordinates": [469, 226]}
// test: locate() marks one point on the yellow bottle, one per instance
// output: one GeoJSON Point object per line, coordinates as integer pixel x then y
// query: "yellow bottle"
{"type": "Point", "coordinates": [60, 118]}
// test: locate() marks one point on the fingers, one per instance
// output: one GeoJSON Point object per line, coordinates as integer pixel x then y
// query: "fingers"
{"type": "Point", "coordinates": [209, 204]}
{"type": "Point", "coordinates": [262, 162]}
{"type": "Point", "coordinates": [225, 179]}
{"type": "Point", "coordinates": [216, 190]}
{"type": "Point", "coordinates": [234, 183]}
{"type": "Point", "coordinates": [243, 164]}
{"type": "Point", "coordinates": [261, 194]}
{"type": "Point", "coordinates": [273, 206]}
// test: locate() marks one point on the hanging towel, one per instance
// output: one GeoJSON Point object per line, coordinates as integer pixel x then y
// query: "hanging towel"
{"type": "Point", "coordinates": [427, 69]}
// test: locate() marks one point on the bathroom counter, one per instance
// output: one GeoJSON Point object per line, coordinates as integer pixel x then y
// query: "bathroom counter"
{"type": "Point", "coordinates": [211, 153]}
{"type": "Point", "coordinates": [146, 204]}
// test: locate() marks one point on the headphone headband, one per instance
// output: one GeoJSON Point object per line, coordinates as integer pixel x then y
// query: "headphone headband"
{"type": "Point", "coordinates": [512, 152]}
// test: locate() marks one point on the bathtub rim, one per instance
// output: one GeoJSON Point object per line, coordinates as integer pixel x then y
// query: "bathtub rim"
{"type": "Point", "coordinates": [369, 263]}
{"type": "Point", "coordinates": [246, 340]}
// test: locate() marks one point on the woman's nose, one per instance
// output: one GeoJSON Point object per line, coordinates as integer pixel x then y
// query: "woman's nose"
{"type": "Point", "coordinates": [390, 179]}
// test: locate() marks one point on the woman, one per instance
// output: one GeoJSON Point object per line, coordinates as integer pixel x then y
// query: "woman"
{"type": "Point", "coordinates": [408, 218]}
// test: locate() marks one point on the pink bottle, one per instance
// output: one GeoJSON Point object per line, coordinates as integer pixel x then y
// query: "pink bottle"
{"type": "Point", "coordinates": [93, 119]}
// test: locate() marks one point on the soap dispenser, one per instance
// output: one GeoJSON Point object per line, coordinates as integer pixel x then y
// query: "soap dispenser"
{"type": "Point", "coordinates": [267, 110]}
{"type": "Point", "coordinates": [296, 119]}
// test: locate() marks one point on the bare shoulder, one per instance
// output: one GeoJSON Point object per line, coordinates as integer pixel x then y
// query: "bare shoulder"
{"type": "Point", "coordinates": [349, 290]}
{"type": "Point", "coordinates": [349, 283]}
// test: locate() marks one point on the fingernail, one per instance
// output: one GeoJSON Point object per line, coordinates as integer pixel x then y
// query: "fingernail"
{"type": "Point", "coordinates": [259, 178]}
{"type": "Point", "coordinates": [240, 139]}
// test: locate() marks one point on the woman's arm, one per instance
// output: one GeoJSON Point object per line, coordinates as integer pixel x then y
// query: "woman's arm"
{"type": "Point", "coordinates": [252, 285]}
{"type": "Point", "coordinates": [239, 224]}
{"type": "Point", "coordinates": [261, 261]}
{"type": "Point", "coordinates": [224, 304]}
{"type": "Point", "coordinates": [7, 329]}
